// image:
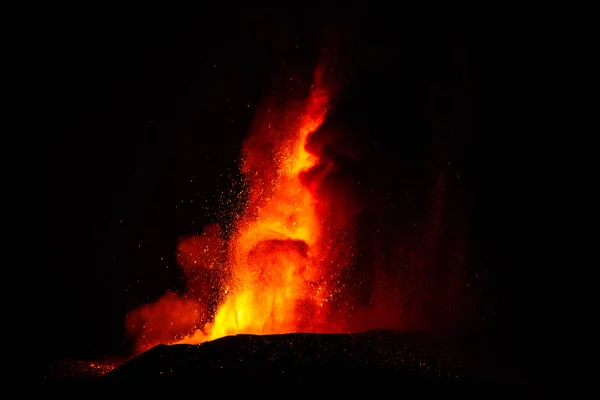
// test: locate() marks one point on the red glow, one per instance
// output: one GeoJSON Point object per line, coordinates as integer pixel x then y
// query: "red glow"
{"type": "Point", "coordinates": [275, 273]}
{"type": "Point", "coordinates": [284, 267]}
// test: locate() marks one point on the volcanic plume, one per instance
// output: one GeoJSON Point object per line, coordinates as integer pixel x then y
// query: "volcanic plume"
{"type": "Point", "coordinates": [287, 262]}
{"type": "Point", "coordinates": [276, 273]}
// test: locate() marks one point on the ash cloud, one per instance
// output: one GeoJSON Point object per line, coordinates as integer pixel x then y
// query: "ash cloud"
{"type": "Point", "coordinates": [393, 230]}
{"type": "Point", "coordinates": [387, 209]}
{"type": "Point", "coordinates": [202, 258]}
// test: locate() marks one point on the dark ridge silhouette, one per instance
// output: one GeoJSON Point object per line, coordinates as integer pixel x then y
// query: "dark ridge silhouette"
{"type": "Point", "coordinates": [373, 356]}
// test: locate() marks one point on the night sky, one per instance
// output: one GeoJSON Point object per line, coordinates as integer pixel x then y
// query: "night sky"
{"type": "Point", "coordinates": [144, 113]}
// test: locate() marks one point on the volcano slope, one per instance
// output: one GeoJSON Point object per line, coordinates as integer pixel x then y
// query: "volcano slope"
{"type": "Point", "coordinates": [373, 356]}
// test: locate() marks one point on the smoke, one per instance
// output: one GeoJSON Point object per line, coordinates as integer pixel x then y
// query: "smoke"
{"type": "Point", "coordinates": [164, 320]}
{"type": "Point", "coordinates": [333, 236]}
{"type": "Point", "coordinates": [202, 258]}
{"type": "Point", "coordinates": [399, 225]}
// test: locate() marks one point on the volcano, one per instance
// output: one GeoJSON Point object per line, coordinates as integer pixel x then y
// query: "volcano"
{"type": "Point", "coordinates": [294, 358]}
{"type": "Point", "coordinates": [373, 356]}
{"type": "Point", "coordinates": [342, 227]}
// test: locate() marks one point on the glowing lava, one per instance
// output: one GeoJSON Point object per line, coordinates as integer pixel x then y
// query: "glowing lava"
{"type": "Point", "coordinates": [272, 271]}
{"type": "Point", "coordinates": [276, 278]}
{"type": "Point", "coordinates": [275, 270]}
{"type": "Point", "coordinates": [311, 249]}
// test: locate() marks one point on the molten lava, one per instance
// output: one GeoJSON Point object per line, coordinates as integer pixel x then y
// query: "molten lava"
{"type": "Point", "coordinates": [273, 273]}
{"type": "Point", "coordinates": [311, 249]}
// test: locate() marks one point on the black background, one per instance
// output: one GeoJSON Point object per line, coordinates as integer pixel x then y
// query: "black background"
{"type": "Point", "coordinates": [143, 113]}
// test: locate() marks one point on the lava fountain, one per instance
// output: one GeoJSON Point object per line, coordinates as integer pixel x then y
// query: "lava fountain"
{"type": "Point", "coordinates": [276, 273]}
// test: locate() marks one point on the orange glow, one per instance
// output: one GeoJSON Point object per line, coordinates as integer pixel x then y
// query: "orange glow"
{"type": "Point", "coordinates": [271, 276]}
{"type": "Point", "coordinates": [274, 267]}
{"type": "Point", "coordinates": [309, 249]}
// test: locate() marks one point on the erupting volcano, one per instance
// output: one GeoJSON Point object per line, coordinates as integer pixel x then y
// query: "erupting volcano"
{"type": "Point", "coordinates": [277, 270]}
{"type": "Point", "coordinates": [275, 196]}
